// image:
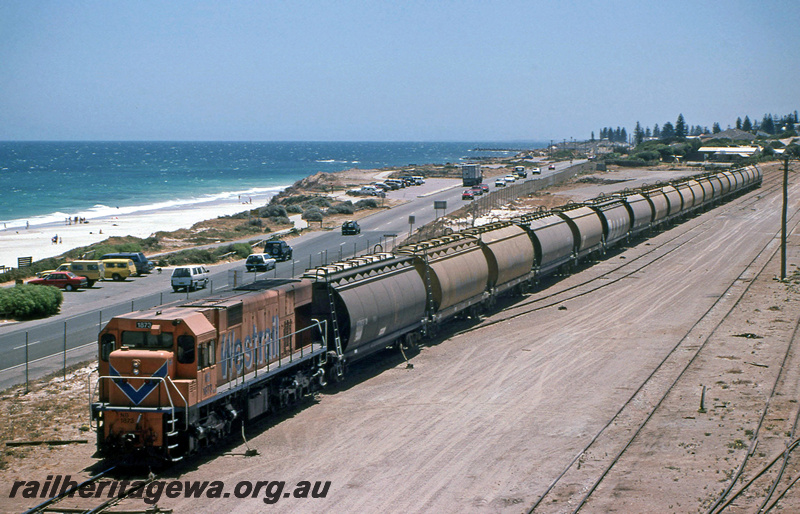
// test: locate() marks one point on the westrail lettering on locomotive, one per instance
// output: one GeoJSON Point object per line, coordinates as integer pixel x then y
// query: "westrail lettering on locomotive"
{"type": "Point", "coordinates": [239, 356]}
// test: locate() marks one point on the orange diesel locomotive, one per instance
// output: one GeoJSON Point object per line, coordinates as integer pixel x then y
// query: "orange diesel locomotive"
{"type": "Point", "coordinates": [175, 379]}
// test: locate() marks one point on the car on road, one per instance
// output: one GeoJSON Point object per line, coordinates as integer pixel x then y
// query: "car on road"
{"type": "Point", "coordinates": [350, 228]}
{"type": "Point", "coordinates": [190, 278]}
{"type": "Point", "coordinates": [500, 183]}
{"type": "Point", "coordinates": [468, 194]}
{"type": "Point", "coordinates": [510, 178]}
{"type": "Point", "coordinates": [65, 280]}
{"type": "Point", "coordinates": [259, 262]}
{"type": "Point", "coordinates": [484, 187]}
{"type": "Point", "coordinates": [551, 167]}
{"type": "Point", "coordinates": [536, 171]}
{"type": "Point", "coordinates": [278, 250]}
{"type": "Point", "coordinates": [143, 265]}
{"type": "Point", "coordinates": [476, 190]}
{"type": "Point", "coordinates": [119, 269]}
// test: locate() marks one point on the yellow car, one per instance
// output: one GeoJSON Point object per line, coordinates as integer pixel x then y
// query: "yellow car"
{"type": "Point", "coordinates": [119, 269]}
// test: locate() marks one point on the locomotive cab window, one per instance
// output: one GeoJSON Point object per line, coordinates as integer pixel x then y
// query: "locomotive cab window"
{"type": "Point", "coordinates": [185, 349]}
{"type": "Point", "coordinates": [147, 340]}
{"type": "Point", "coordinates": [107, 344]}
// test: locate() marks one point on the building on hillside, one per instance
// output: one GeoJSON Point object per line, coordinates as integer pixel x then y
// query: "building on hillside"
{"type": "Point", "coordinates": [727, 153]}
{"type": "Point", "coordinates": [732, 134]}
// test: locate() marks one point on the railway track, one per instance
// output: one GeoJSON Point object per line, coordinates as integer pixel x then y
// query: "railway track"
{"type": "Point", "coordinates": [657, 386]}
{"type": "Point", "coordinates": [51, 505]}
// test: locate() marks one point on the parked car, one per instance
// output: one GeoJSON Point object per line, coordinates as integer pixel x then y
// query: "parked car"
{"type": "Point", "coordinates": [189, 277]}
{"type": "Point", "coordinates": [419, 179]}
{"type": "Point", "coordinates": [119, 269]}
{"type": "Point", "coordinates": [65, 280]}
{"type": "Point", "coordinates": [259, 262]}
{"type": "Point", "coordinates": [468, 194]}
{"type": "Point", "coordinates": [500, 183]}
{"type": "Point", "coordinates": [92, 270]}
{"type": "Point", "coordinates": [350, 228]}
{"type": "Point", "coordinates": [142, 264]}
{"type": "Point", "coordinates": [278, 250]}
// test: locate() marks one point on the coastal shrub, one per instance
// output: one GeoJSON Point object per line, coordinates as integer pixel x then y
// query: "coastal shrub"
{"type": "Point", "coordinates": [634, 162]}
{"type": "Point", "coordinates": [272, 211]}
{"type": "Point", "coordinates": [342, 208]}
{"type": "Point", "coordinates": [256, 222]}
{"type": "Point", "coordinates": [318, 201]}
{"type": "Point", "coordinates": [241, 249]}
{"type": "Point", "coordinates": [277, 220]}
{"type": "Point", "coordinates": [649, 155]}
{"type": "Point", "coordinates": [296, 199]}
{"type": "Point", "coordinates": [26, 301]}
{"type": "Point", "coordinates": [367, 204]}
{"type": "Point", "coordinates": [247, 227]}
{"type": "Point", "coordinates": [312, 214]}
{"type": "Point", "coordinates": [102, 249]}
{"type": "Point", "coordinates": [294, 209]}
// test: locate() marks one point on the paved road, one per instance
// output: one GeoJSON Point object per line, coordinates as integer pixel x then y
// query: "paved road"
{"type": "Point", "coordinates": [44, 343]}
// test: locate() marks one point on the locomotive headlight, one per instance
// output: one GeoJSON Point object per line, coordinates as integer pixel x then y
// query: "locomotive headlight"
{"type": "Point", "coordinates": [136, 367]}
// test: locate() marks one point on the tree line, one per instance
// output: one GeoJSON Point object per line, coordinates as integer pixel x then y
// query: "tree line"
{"type": "Point", "coordinates": [771, 124]}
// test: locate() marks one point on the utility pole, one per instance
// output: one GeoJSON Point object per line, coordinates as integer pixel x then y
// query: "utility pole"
{"type": "Point", "coordinates": [783, 215]}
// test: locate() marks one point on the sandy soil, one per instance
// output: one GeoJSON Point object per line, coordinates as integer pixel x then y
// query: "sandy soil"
{"type": "Point", "coordinates": [592, 384]}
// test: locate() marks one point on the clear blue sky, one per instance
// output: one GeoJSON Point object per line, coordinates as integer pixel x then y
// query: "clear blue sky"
{"type": "Point", "coordinates": [388, 71]}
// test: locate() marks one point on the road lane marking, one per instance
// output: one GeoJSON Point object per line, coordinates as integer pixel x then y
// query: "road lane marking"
{"type": "Point", "coordinates": [23, 346]}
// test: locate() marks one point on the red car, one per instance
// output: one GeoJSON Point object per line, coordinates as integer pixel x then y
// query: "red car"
{"type": "Point", "coordinates": [468, 194]}
{"type": "Point", "coordinates": [551, 167]}
{"type": "Point", "coordinates": [65, 280]}
{"type": "Point", "coordinates": [484, 187]}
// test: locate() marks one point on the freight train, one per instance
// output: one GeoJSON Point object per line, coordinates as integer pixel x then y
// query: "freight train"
{"type": "Point", "coordinates": [176, 379]}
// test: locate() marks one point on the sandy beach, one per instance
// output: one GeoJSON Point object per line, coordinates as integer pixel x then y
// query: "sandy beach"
{"type": "Point", "coordinates": [36, 240]}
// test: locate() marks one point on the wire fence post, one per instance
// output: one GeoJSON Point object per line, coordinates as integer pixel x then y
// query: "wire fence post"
{"type": "Point", "coordinates": [65, 352]}
{"type": "Point", "coordinates": [26, 363]}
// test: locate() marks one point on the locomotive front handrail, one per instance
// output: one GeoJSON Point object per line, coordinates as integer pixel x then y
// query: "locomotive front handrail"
{"type": "Point", "coordinates": [167, 381]}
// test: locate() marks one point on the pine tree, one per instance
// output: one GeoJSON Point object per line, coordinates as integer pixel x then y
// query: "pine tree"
{"type": "Point", "coordinates": [656, 131]}
{"type": "Point", "coordinates": [715, 128]}
{"type": "Point", "coordinates": [623, 135]}
{"type": "Point", "coordinates": [739, 123]}
{"type": "Point", "coordinates": [668, 131]}
{"type": "Point", "coordinates": [747, 125]}
{"type": "Point", "coordinates": [593, 135]}
{"type": "Point", "coordinates": [680, 127]}
{"type": "Point", "coordinates": [647, 133]}
{"type": "Point", "coordinates": [638, 135]}
{"type": "Point", "coordinates": [768, 124]}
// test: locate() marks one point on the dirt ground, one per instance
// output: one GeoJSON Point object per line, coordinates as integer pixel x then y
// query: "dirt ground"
{"type": "Point", "coordinates": [591, 384]}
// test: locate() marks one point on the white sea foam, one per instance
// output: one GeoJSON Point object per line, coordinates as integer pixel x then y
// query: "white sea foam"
{"type": "Point", "coordinates": [105, 211]}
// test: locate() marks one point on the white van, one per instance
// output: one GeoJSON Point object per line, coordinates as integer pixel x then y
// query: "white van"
{"type": "Point", "coordinates": [189, 277]}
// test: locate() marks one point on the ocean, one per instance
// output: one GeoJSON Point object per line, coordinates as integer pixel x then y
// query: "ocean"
{"type": "Point", "coordinates": [43, 182]}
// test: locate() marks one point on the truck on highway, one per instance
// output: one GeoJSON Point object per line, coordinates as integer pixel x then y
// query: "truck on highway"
{"type": "Point", "coordinates": [471, 174]}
